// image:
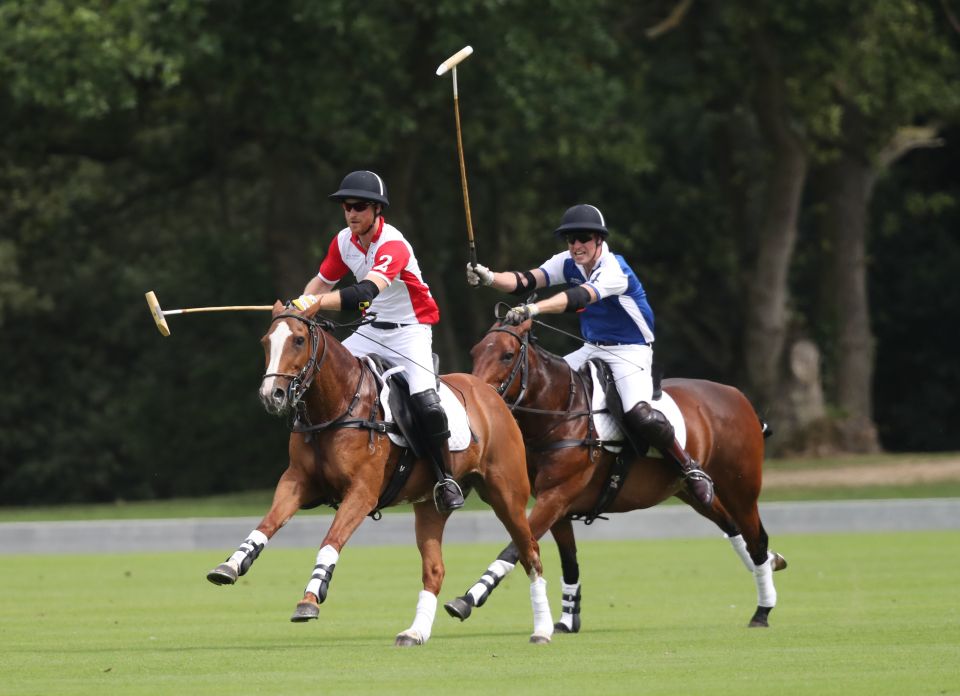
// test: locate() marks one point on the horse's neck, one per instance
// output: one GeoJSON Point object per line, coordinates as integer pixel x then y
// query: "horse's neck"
{"type": "Point", "coordinates": [335, 383]}
{"type": "Point", "coordinates": [550, 382]}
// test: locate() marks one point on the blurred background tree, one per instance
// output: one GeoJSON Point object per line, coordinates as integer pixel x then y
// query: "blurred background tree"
{"type": "Point", "coordinates": [783, 176]}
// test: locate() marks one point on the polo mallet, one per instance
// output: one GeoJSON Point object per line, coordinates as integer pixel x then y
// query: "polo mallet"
{"type": "Point", "coordinates": [159, 315]}
{"type": "Point", "coordinates": [451, 65]}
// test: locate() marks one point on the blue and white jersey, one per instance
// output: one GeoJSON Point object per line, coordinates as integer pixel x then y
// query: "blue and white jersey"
{"type": "Point", "coordinates": [622, 314]}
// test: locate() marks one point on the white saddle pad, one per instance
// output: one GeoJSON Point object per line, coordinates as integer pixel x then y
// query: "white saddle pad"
{"type": "Point", "coordinates": [607, 429]}
{"type": "Point", "coordinates": [460, 435]}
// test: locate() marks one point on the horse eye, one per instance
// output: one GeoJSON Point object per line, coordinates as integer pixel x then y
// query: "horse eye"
{"type": "Point", "coordinates": [299, 340]}
{"type": "Point", "coordinates": [508, 356]}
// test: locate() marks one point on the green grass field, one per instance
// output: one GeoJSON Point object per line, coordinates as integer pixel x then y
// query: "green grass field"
{"type": "Point", "coordinates": [857, 614]}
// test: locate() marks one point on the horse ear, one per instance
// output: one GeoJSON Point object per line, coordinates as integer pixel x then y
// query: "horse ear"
{"type": "Point", "coordinates": [277, 307]}
{"type": "Point", "coordinates": [311, 311]}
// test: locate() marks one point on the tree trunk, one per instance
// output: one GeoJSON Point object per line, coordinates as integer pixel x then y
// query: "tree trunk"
{"type": "Point", "coordinates": [768, 294]}
{"type": "Point", "coordinates": [848, 186]}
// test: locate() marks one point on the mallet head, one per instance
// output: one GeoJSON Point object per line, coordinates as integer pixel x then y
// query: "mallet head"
{"type": "Point", "coordinates": [453, 60]}
{"type": "Point", "coordinates": [157, 313]}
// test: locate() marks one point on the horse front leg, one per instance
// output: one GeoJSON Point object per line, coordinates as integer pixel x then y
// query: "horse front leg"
{"type": "Point", "coordinates": [429, 525]}
{"type": "Point", "coordinates": [356, 505]}
{"type": "Point", "coordinates": [293, 490]}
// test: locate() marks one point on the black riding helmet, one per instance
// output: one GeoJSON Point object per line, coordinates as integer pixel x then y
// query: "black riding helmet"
{"type": "Point", "coordinates": [581, 218]}
{"type": "Point", "coordinates": [364, 186]}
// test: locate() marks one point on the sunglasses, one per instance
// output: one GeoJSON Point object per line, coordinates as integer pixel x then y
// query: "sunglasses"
{"type": "Point", "coordinates": [582, 237]}
{"type": "Point", "coordinates": [359, 206]}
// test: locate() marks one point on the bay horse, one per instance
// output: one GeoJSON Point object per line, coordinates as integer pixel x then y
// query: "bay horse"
{"type": "Point", "coordinates": [340, 454]}
{"type": "Point", "coordinates": [575, 477]}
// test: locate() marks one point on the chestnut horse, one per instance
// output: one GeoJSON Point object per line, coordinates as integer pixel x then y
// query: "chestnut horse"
{"type": "Point", "coordinates": [340, 454]}
{"type": "Point", "coordinates": [574, 476]}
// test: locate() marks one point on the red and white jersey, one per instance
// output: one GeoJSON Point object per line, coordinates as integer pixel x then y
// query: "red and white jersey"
{"type": "Point", "coordinates": [407, 299]}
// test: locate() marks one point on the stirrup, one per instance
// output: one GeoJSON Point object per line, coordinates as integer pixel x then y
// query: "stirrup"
{"type": "Point", "coordinates": [447, 495]}
{"type": "Point", "coordinates": [694, 478]}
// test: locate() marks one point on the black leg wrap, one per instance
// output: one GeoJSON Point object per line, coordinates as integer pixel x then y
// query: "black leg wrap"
{"type": "Point", "coordinates": [490, 581]}
{"type": "Point", "coordinates": [570, 605]}
{"type": "Point", "coordinates": [323, 573]}
{"type": "Point", "coordinates": [509, 554]}
{"type": "Point", "coordinates": [251, 550]}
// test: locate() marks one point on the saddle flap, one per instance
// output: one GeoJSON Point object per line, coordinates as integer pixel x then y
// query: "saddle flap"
{"type": "Point", "coordinates": [395, 398]}
{"type": "Point", "coordinates": [398, 401]}
{"type": "Point", "coordinates": [609, 425]}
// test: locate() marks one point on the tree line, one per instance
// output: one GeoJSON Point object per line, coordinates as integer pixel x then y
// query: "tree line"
{"type": "Point", "coordinates": [782, 176]}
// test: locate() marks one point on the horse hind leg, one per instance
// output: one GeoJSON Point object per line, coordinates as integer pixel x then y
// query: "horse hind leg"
{"type": "Point", "coordinates": [770, 562]}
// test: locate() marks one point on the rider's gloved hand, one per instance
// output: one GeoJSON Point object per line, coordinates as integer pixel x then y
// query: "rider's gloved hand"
{"type": "Point", "coordinates": [478, 274]}
{"type": "Point", "coordinates": [520, 314]}
{"type": "Point", "coordinates": [305, 301]}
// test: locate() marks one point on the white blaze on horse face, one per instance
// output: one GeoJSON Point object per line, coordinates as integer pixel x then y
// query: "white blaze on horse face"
{"type": "Point", "coordinates": [278, 338]}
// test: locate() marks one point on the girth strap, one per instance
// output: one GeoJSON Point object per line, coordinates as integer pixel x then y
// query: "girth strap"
{"type": "Point", "coordinates": [615, 481]}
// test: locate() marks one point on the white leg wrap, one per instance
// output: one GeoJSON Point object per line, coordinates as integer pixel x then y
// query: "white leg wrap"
{"type": "Point", "coordinates": [247, 547]}
{"type": "Point", "coordinates": [327, 556]}
{"type": "Point", "coordinates": [542, 620]}
{"type": "Point", "coordinates": [740, 546]}
{"type": "Point", "coordinates": [423, 621]}
{"type": "Point", "coordinates": [496, 571]}
{"type": "Point", "coordinates": [766, 592]}
{"type": "Point", "coordinates": [567, 606]}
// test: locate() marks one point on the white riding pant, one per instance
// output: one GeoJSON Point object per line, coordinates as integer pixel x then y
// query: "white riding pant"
{"type": "Point", "coordinates": [410, 346]}
{"type": "Point", "coordinates": [631, 367]}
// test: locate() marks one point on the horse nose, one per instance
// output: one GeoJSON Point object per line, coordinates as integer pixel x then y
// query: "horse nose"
{"type": "Point", "coordinates": [273, 401]}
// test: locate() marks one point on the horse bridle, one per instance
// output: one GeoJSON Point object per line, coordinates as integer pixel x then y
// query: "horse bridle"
{"type": "Point", "coordinates": [300, 382]}
{"type": "Point", "coordinates": [521, 366]}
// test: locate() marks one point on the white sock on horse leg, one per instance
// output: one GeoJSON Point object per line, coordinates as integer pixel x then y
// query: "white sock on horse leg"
{"type": "Point", "coordinates": [568, 604]}
{"type": "Point", "coordinates": [542, 621]}
{"type": "Point", "coordinates": [426, 613]}
{"type": "Point", "coordinates": [740, 546]}
{"type": "Point", "coordinates": [327, 556]}
{"type": "Point", "coordinates": [766, 592]}
{"type": "Point", "coordinates": [254, 539]}
{"type": "Point", "coordinates": [495, 572]}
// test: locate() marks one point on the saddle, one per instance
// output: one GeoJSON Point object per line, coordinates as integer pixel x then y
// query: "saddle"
{"type": "Point", "coordinates": [397, 403]}
{"type": "Point", "coordinates": [395, 398]}
{"type": "Point", "coordinates": [608, 409]}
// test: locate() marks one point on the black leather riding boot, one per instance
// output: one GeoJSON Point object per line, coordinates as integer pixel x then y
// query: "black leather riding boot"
{"type": "Point", "coordinates": [646, 424]}
{"type": "Point", "coordinates": [699, 483]}
{"type": "Point", "coordinates": [447, 495]}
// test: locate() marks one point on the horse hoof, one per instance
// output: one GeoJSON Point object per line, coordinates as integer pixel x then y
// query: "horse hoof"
{"type": "Point", "coordinates": [305, 611]}
{"type": "Point", "coordinates": [538, 639]}
{"type": "Point", "coordinates": [778, 562]}
{"type": "Point", "coordinates": [560, 627]}
{"type": "Point", "coordinates": [759, 619]}
{"type": "Point", "coordinates": [458, 608]}
{"type": "Point", "coordinates": [223, 574]}
{"type": "Point", "coordinates": [408, 639]}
